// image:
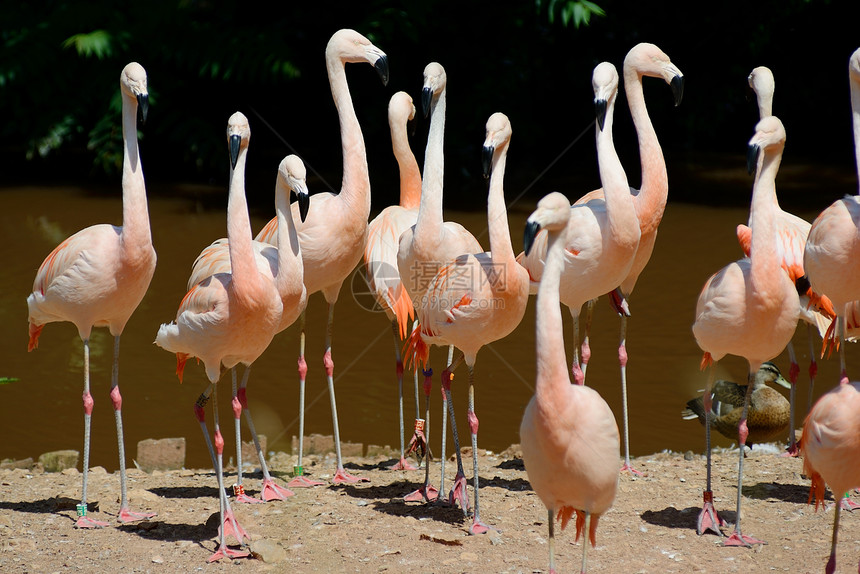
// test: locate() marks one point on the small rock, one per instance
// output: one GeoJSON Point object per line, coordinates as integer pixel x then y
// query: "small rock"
{"type": "Point", "coordinates": [157, 560]}
{"type": "Point", "coordinates": [59, 460]}
{"type": "Point", "coordinates": [161, 454]}
{"type": "Point", "coordinates": [268, 551]}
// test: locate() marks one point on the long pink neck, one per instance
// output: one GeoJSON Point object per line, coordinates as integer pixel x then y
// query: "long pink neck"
{"type": "Point", "coordinates": [355, 189]}
{"type": "Point", "coordinates": [242, 262]}
{"type": "Point", "coordinates": [135, 213]}
{"type": "Point", "coordinates": [623, 225]}
{"type": "Point", "coordinates": [551, 363]}
{"type": "Point", "coordinates": [651, 201]}
{"type": "Point", "coordinates": [288, 280]}
{"type": "Point", "coordinates": [429, 224]}
{"type": "Point", "coordinates": [764, 260]}
{"type": "Point", "coordinates": [410, 176]}
{"type": "Point", "coordinates": [497, 213]}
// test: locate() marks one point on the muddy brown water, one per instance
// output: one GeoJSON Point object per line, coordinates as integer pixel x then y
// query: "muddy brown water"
{"type": "Point", "coordinates": [43, 411]}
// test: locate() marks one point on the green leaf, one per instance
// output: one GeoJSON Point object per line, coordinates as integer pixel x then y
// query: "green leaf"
{"type": "Point", "coordinates": [7, 380]}
{"type": "Point", "coordinates": [96, 43]}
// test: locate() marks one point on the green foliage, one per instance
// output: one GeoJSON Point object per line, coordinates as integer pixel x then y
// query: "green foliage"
{"type": "Point", "coordinates": [7, 380]}
{"type": "Point", "coordinates": [577, 11]}
{"type": "Point", "coordinates": [97, 43]}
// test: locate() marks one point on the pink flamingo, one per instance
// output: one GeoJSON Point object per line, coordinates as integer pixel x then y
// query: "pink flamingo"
{"type": "Point", "coordinates": [833, 245]}
{"type": "Point", "coordinates": [333, 240]}
{"type": "Point", "coordinates": [425, 248]}
{"type": "Point", "coordinates": [749, 308]}
{"type": "Point", "coordinates": [228, 318]}
{"type": "Point", "coordinates": [601, 250]}
{"type": "Point", "coordinates": [830, 445]}
{"type": "Point", "coordinates": [568, 433]}
{"type": "Point", "coordinates": [380, 254]}
{"type": "Point", "coordinates": [284, 265]}
{"type": "Point", "coordinates": [97, 278]}
{"type": "Point", "coordinates": [477, 298]}
{"type": "Point", "coordinates": [792, 231]}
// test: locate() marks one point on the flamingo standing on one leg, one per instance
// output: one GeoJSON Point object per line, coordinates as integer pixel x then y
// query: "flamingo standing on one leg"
{"type": "Point", "coordinates": [383, 240]}
{"type": "Point", "coordinates": [429, 245]}
{"type": "Point", "coordinates": [98, 277]}
{"type": "Point", "coordinates": [604, 239]}
{"type": "Point", "coordinates": [749, 308]}
{"type": "Point", "coordinates": [815, 310]}
{"type": "Point", "coordinates": [833, 246]}
{"type": "Point", "coordinates": [830, 446]}
{"type": "Point", "coordinates": [477, 298]}
{"type": "Point", "coordinates": [284, 264]}
{"type": "Point", "coordinates": [568, 433]}
{"type": "Point", "coordinates": [228, 318]}
{"type": "Point", "coordinates": [333, 239]}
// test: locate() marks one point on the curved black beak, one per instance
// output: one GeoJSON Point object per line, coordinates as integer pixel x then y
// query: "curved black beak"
{"type": "Point", "coordinates": [677, 85]}
{"type": "Point", "coordinates": [426, 98]}
{"type": "Point", "coordinates": [235, 142]}
{"type": "Point", "coordinates": [487, 160]}
{"type": "Point", "coordinates": [600, 111]}
{"type": "Point", "coordinates": [381, 67]}
{"type": "Point", "coordinates": [143, 106]}
{"type": "Point", "coordinates": [304, 204]}
{"type": "Point", "coordinates": [532, 228]}
{"type": "Point", "coordinates": [752, 157]}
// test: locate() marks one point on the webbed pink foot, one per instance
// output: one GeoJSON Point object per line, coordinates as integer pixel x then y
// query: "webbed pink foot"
{"type": "Point", "coordinates": [87, 522]}
{"type": "Point", "coordinates": [631, 470]}
{"type": "Point", "coordinates": [239, 494]}
{"type": "Point", "coordinates": [232, 527]}
{"type": "Point", "coordinates": [126, 515]}
{"type": "Point", "coordinates": [343, 477]}
{"type": "Point", "coordinates": [228, 553]}
{"type": "Point", "coordinates": [738, 539]}
{"type": "Point", "coordinates": [303, 482]}
{"type": "Point", "coordinates": [458, 493]}
{"type": "Point", "coordinates": [708, 517]}
{"type": "Point", "coordinates": [478, 527]}
{"type": "Point", "coordinates": [427, 493]}
{"type": "Point", "coordinates": [272, 491]}
{"type": "Point", "coordinates": [403, 464]}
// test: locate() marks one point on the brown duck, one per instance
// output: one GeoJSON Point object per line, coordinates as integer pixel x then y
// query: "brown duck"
{"type": "Point", "coordinates": [769, 410]}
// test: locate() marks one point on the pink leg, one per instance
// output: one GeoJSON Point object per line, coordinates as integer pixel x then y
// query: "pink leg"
{"type": "Point", "coordinates": [585, 348]}
{"type": "Point", "coordinates": [238, 403]}
{"type": "Point", "coordinates": [622, 361]}
{"type": "Point", "coordinates": [457, 494]}
{"type": "Point", "coordinates": [402, 464]}
{"type": "Point", "coordinates": [793, 371]}
{"type": "Point", "coordinates": [708, 519]}
{"type": "Point", "coordinates": [478, 526]}
{"type": "Point", "coordinates": [427, 492]}
{"type": "Point", "coordinates": [299, 479]}
{"type": "Point", "coordinates": [83, 520]}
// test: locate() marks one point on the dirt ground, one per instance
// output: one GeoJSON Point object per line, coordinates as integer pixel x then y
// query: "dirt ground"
{"type": "Point", "coordinates": [368, 527]}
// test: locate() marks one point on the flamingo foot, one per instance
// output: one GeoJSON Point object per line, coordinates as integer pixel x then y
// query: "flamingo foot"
{"type": "Point", "coordinates": [126, 515]}
{"type": "Point", "coordinates": [418, 443]}
{"type": "Point", "coordinates": [239, 493]}
{"type": "Point", "coordinates": [303, 482]}
{"type": "Point", "coordinates": [225, 552]}
{"type": "Point", "coordinates": [272, 491]}
{"type": "Point", "coordinates": [232, 528]}
{"type": "Point", "coordinates": [343, 477]}
{"type": "Point", "coordinates": [403, 464]}
{"type": "Point", "coordinates": [708, 517]}
{"type": "Point", "coordinates": [738, 539]}
{"type": "Point", "coordinates": [631, 470]}
{"type": "Point", "coordinates": [478, 527]}
{"type": "Point", "coordinates": [87, 522]}
{"type": "Point", "coordinates": [427, 493]}
{"type": "Point", "coordinates": [458, 493]}
{"type": "Point", "coordinates": [848, 504]}
{"type": "Point", "coordinates": [791, 450]}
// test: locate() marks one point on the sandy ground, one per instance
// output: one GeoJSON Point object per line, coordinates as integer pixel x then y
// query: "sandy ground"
{"type": "Point", "coordinates": [368, 527]}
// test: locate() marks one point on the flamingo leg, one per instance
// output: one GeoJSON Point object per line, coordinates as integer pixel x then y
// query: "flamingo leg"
{"type": "Point", "coordinates": [299, 479]}
{"type": "Point", "coordinates": [446, 399]}
{"type": "Point", "coordinates": [228, 523]}
{"type": "Point", "coordinates": [269, 490]}
{"type": "Point", "coordinates": [840, 340]}
{"type": "Point", "coordinates": [622, 361]}
{"type": "Point", "coordinates": [586, 530]}
{"type": "Point", "coordinates": [813, 368]}
{"type": "Point", "coordinates": [125, 514]}
{"type": "Point", "coordinates": [708, 517]}
{"type": "Point", "coordinates": [585, 348]}
{"type": "Point", "coordinates": [458, 491]}
{"type": "Point", "coordinates": [551, 522]}
{"type": "Point", "coordinates": [576, 369]}
{"type": "Point", "coordinates": [831, 562]}
{"type": "Point", "coordinates": [239, 487]}
{"type": "Point", "coordinates": [738, 538]}
{"type": "Point", "coordinates": [340, 476]}
{"type": "Point", "coordinates": [478, 527]}
{"type": "Point", "coordinates": [428, 492]}
{"type": "Point", "coordinates": [793, 371]}
{"type": "Point", "coordinates": [85, 521]}
{"type": "Point", "coordinates": [402, 464]}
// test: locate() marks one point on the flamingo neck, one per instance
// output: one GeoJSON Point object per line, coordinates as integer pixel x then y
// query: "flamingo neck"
{"type": "Point", "coordinates": [551, 361]}
{"type": "Point", "coordinates": [429, 223]}
{"type": "Point", "coordinates": [410, 176]}
{"type": "Point", "coordinates": [764, 260]}
{"type": "Point", "coordinates": [135, 213]}
{"type": "Point", "coordinates": [620, 212]}
{"type": "Point", "coordinates": [501, 250]}
{"type": "Point", "coordinates": [242, 262]}
{"type": "Point", "coordinates": [289, 255]}
{"type": "Point", "coordinates": [355, 188]}
{"type": "Point", "coordinates": [651, 200]}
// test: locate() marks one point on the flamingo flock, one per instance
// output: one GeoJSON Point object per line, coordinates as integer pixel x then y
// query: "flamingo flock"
{"type": "Point", "coordinates": [439, 287]}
